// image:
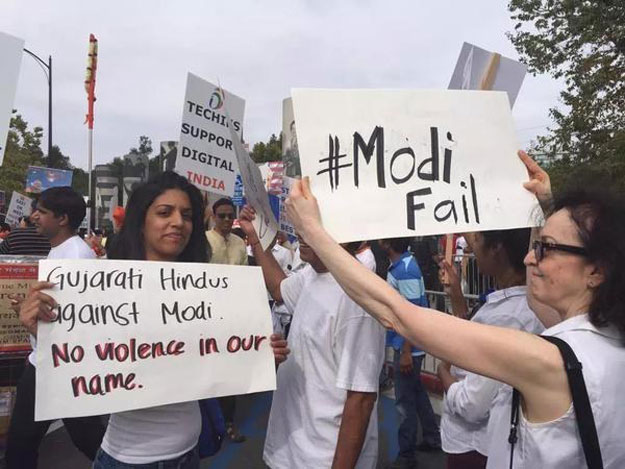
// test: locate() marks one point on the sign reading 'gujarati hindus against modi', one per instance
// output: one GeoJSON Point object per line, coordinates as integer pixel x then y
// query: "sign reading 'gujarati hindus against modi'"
{"type": "Point", "coordinates": [398, 163]}
{"type": "Point", "coordinates": [136, 334]}
{"type": "Point", "coordinates": [205, 152]}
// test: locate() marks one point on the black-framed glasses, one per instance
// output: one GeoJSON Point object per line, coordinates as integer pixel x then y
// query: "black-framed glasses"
{"type": "Point", "coordinates": [541, 247]}
{"type": "Point", "coordinates": [223, 216]}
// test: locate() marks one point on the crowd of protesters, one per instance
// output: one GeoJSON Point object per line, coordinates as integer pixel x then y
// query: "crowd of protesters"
{"type": "Point", "coordinates": [508, 400]}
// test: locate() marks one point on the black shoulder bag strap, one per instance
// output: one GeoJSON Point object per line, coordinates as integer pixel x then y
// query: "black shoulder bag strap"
{"type": "Point", "coordinates": [581, 404]}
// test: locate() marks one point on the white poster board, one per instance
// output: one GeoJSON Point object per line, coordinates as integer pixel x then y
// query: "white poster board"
{"type": "Point", "coordinates": [19, 207]}
{"type": "Point", "coordinates": [473, 64]}
{"type": "Point", "coordinates": [10, 60]}
{"type": "Point", "coordinates": [396, 163]}
{"type": "Point", "coordinates": [136, 334]}
{"type": "Point", "coordinates": [205, 152]}
{"type": "Point", "coordinates": [265, 223]}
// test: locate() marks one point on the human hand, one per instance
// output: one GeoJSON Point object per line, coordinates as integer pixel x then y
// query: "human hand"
{"type": "Point", "coordinates": [443, 368]}
{"type": "Point", "coordinates": [16, 302]}
{"type": "Point", "coordinates": [37, 306]}
{"type": "Point", "coordinates": [302, 208]}
{"type": "Point", "coordinates": [448, 277]}
{"type": "Point", "coordinates": [246, 216]}
{"type": "Point", "coordinates": [539, 183]}
{"type": "Point", "coordinates": [405, 363]}
{"type": "Point", "coordinates": [280, 348]}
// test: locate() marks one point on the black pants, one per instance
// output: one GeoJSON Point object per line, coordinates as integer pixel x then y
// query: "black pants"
{"type": "Point", "coordinates": [25, 434]}
{"type": "Point", "coordinates": [228, 407]}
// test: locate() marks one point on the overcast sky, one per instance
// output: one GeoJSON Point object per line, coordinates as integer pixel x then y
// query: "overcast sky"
{"type": "Point", "coordinates": [258, 50]}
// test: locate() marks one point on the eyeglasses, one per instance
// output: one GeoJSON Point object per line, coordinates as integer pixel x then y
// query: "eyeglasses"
{"type": "Point", "coordinates": [540, 247]}
{"type": "Point", "coordinates": [223, 216]}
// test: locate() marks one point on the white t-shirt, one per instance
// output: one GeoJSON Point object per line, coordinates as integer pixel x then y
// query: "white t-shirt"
{"type": "Point", "coordinates": [335, 347]}
{"type": "Point", "coordinates": [367, 259]}
{"type": "Point", "coordinates": [71, 248]}
{"type": "Point", "coordinates": [153, 434]}
{"type": "Point", "coordinates": [467, 403]}
{"type": "Point", "coordinates": [461, 245]}
{"type": "Point", "coordinates": [556, 444]}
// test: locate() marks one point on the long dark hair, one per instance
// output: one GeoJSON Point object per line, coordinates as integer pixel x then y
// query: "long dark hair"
{"type": "Point", "coordinates": [130, 243]}
{"type": "Point", "coordinates": [600, 220]}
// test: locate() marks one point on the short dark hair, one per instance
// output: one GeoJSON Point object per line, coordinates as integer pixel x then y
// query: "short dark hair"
{"type": "Point", "coordinates": [399, 245]}
{"type": "Point", "coordinates": [64, 201]}
{"type": "Point", "coordinates": [130, 245]}
{"type": "Point", "coordinates": [222, 201]}
{"type": "Point", "coordinates": [515, 244]}
{"type": "Point", "coordinates": [4, 226]}
{"type": "Point", "coordinates": [600, 220]}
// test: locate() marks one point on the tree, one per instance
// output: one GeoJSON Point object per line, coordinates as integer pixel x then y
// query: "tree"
{"type": "Point", "coordinates": [270, 151]}
{"type": "Point", "coordinates": [583, 43]}
{"type": "Point", "coordinates": [23, 149]}
{"type": "Point", "coordinates": [56, 159]}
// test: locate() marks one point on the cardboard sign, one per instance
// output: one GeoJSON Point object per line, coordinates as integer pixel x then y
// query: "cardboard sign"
{"type": "Point", "coordinates": [205, 152]}
{"type": "Point", "coordinates": [395, 163]}
{"type": "Point", "coordinates": [39, 179]}
{"type": "Point", "coordinates": [255, 193]}
{"type": "Point", "coordinates": [19, 207]}
{"type": "Point", "coordinates": [136, 334]}
{"type": "Point", "coordinates": [479, 69]}
{"type": "Point", "coordinates": [10, 61]}
{"type": "Point", "coordinates": [15, 279]}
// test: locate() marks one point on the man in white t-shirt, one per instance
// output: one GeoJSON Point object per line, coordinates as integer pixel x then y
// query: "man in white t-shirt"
{"type": "Point", "coordinates": [57, 216]}
{"type": "Point", "coordinates": [324, 408]}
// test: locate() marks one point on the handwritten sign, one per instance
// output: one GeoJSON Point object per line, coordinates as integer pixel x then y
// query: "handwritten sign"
{"type": "Point", "coordinates": [135, 334]}
{"type": "Point", "coordinates": [19, 207]}
{"type": "Point", "coordinates": [478, 69]}
{"type": "Point", "coordinates": [205, 152]}
{"type": "Point", "coordinates": [11, 59]}
{"type": "Point", "coordinates": [386, 164]}
{"type": "Point", "coordinates": [255, 193]}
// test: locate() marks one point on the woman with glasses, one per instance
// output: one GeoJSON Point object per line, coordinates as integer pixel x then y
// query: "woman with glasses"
{"type": "Point", "coordinates": [577, 268]}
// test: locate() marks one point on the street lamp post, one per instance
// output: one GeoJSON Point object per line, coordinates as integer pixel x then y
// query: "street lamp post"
{"type": "Point", "coordinates": [47, 69]}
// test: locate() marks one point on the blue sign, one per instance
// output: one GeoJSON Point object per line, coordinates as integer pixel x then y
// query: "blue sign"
{"type": "Point", "coordinates": [237, 197]}
{"type": "Point", "coordinates": [39, 179]}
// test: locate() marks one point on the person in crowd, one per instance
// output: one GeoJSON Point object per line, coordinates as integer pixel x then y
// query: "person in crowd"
{"type": "Point", "coordinates": [469, 396]}
{"type": "Point", "coordinates": [164, 222]}
{"type": "Point", "coordinates": [227, 248]}
{"type": "Point", "coordinates": [411, 398]}
{"type": "Point", "coordinates": [57, 216]}
{"type": "Point", "coordinates": [119, 214]}
{"type": "Point", "coordinates": [26, 241]}
{"type": "Point", "coordinates": [575, 267]}
{"type": "Point", "coordinates": [365, 255]}
{"type": "Point", "coordinates": [323, 412]}
{"type": "Point", "coordinates": [5, 230]}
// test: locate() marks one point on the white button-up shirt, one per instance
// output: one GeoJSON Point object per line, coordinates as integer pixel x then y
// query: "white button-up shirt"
{"type": "Point", "coordinates": [468, 402]}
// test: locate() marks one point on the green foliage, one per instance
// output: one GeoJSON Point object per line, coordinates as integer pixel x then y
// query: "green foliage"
{"type": "Point", "coordinates": [23, 150]}
{"type": "Point", "coordinates": [582, 43]}
{"type": "Point", "coordinates": [270, 151]}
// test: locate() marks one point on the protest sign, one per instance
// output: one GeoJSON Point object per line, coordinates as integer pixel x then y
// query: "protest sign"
{"type": "Point", "coordinates": [237, 197]}
{"type": "Point", "coordinates": [16, 279]}
{"type": "Point", "coordinates": [10, 61]}
{"type": "Point", "coordinates": [290, 152]}
{"type": "Point", "coordinates": [18, 208]}
{"type": "Point", "coordinates": [285, 224]}
{"type": "Point", "coordinates": [39, 179]}
{"type": "Point", "coordinates": [386, 164]}
{"type": "Point", "coordinates": [265, 222]}
{"type": "Point", "coordinates": [206, 156]}
{"type": "Point", "coordinates": [479, 69]}
{"type": "Point", "coordinates": [136, 334]}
